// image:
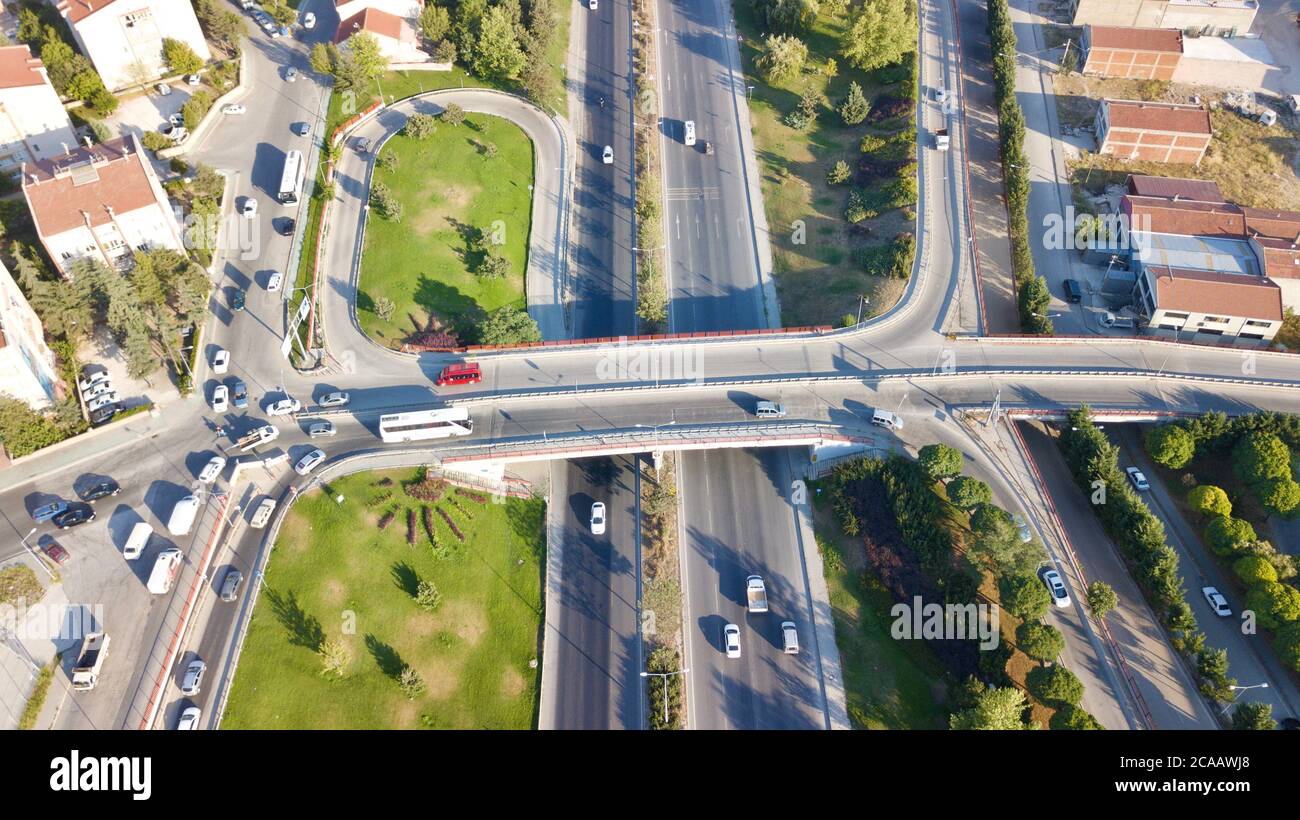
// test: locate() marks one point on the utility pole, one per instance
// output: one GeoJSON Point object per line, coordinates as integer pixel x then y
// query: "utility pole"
{"type": "Point", "coordinates": [996, 409]}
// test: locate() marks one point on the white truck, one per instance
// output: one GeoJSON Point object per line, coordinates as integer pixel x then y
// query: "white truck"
{"type": "Point", "coordinates": [164, 572]}
{"type": "Point", "coordinates": [941, 140]}
{"type": "Point", "coordinates": [93, 652]}
{"type": "Point", "coordinates": [756, 593]}
{"type": "Point", "coordinates": [265, 434]}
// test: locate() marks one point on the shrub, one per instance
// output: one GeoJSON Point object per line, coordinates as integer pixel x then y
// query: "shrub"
{"type": "Point", "coordinates": [1253, 716]}
{"type": "Point", "coordinates": [1208, 499]}
{"type": "Point", "coordinates": [1274, 604]}
{"type": "Point", "coordinates": [967, 493]}
{"type": "Point", "coordinates": [427, 596]}
{"type": "Point", "coordinates": [1288, 645]}
{"type": "Point", "coordinates": [452, 115]}
{"type": "Point", "coordinates": [1225, 535]}
{"type": "Point", "coordinates": [1069, 716]}
{"type": "Point", "coordinates": [1054, 684]}
{"type": "Point", "coordinates": [420, 126]}
{"type": "Point", "coordinates": [1171, 445]}
{"type": "Point", "coordinates": [1280, 496]}
{"type": "Point", "coordinates": [1040, 641]}
{"type": "Point", "coordinates": [1260, 456]}
{"type": "Point", "coordinates": [839, 173]}
{"type": "Point", "coordinates": [855, 107]}
{"type": "Point", "coordinates": [1024, 596]}
{"type": "Point", "coordinates": [940, 461]}
{"type": "Point", "coordinates": [411, 683]}
{"type": "Point", "coordinates": [154, 141]}
{"type": "Point", "coordinates": [196, 107]}
{"type": "Point", "coordinates": [18, 583]}
{"type": "Point", "coordinates": [1254, 569]}
{"type": "Point", "coordinates": [493, 267]}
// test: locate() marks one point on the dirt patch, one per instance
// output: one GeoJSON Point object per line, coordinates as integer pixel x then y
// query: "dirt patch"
{"type": "Point", "coordinates": [450, 200]}
{"type": "Point", "coordinates": [333, 591]}
{"type": "Point", "coordinates": [420, 625]}
{"type": "Point", "coordinates": [512, 683]}
{"type": "Point", "coordinates": [406, 714]}
{"type": "Point", "coordinates": [465, 619]}
{"type": "Point", "coordinates": [441, 676]}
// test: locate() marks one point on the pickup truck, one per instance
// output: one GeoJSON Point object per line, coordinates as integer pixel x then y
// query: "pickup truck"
{"type": "Point", "coordinates": [265, 434]}
{"type": "Point", "coordinates": [941, 140]}
{"type": "Point", "coordinates": [756, 593]}
{"type": "Point", "coordinates": [93, 653]}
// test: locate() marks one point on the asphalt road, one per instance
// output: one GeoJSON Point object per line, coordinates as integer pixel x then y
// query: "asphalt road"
{"type": "Point", "coordinates": [593, 639]}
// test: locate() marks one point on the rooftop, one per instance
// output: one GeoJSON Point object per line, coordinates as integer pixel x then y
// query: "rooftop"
{"type": "Point", "coordinates": [18, 68]}
{"type": "Point", "coordinates": [373, 21]}
{"type": "Point", "coordinates": [1155, 116]}
{"type": "Point", "coordinates": [1198, 291]}
{"type": "Point", "coordinates": [1200, 253]}
{"type": "Point", "coordinates": [1160, 215]}
{"type": "Point", "coordinates": [88, 183]}
{"type": "Point", "coordinates": [1138, 39]}
{"type": "Point", "coordinates": [1201, 190]}
{"type": "Point", "coordinates": [1234, 49]}
{"type": "Point", "coordinates": [74, 11]}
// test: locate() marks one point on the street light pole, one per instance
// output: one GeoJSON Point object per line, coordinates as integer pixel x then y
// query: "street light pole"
{"type": "Point", "coordinates": [665, 676]}
{"type": "Point", "coordinates": [1236, 689]}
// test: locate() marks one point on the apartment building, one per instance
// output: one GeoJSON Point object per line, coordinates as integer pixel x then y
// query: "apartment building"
{"type": "Point", "coordinates": [27, 366]}
{"type": "Point", "coordinates": [33, 123]}
{"type": "Point", "coordinates": [123, 38]}
{"type": "Point", "coordinates": [1153, 131]}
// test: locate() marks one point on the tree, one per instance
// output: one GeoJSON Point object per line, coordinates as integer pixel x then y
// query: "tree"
{"type": "Point", "coordinates": [180, 57]}
{"type": "Point", "coordinates": [881, 34]}
{"type": "Point", "coordinates": [1040, 641]}
{"type": "Point", "coordinates": [279, 12]}
{"type": "Point", "coordinates": [453, 114]}
{"type": "Point", "coordinates": [1253, 716]}
{"type": "Point", "coordinates": [435, 23]}
{"type": "Point", "coordinates": [1024, 596]}
{"type": "Point", "coordinates": [1171, 445]}
{"type": "Point", "coordinates": [839, 173]}
{"type": "Point", "coordinates": [1280, 496]}
{"type": "Point", "coordinates": [1288, 645]}
{"type": "Point", "coordinates": [805, 113]}
{"type": "Point", "coordinates": [493, 267]}
{"type": "Point", "coordinates": [968, 493]}
{"type": "Point", "coordinates": [1101, 598]}
{"type": "Point", "coordinates": [1054, 684]}
{"type": "Point", "coordinates": [788, 16]}
{"type": "Point", "coordinates": [497, 55]}
{"type": "Point", "coordinates": [1225, 535]}
{"type": "Point", "coordinates": [334, 657]}
{"type": "Point", "coordinates": [1069, 716]}
{"type": "Point", "coordinates": [411, 683]}
{"type": "Point", "coordinates": [1212, 668]}
{"type": "Point", "coordinates": [384, 308]}
{"type": "Point", "coordinates": [324, 57]}
{"type": "Point", "coordinates": [782, 59]}
{"type": "Point", "coordinates": [427, 596]}
{"type": "Point", "coordinates": [998, 543]}
{"type": "Point", "coordinates": [997, 708]}
{"type": "Point", "coordinates": [1260, 456]}
{"type": "Point", "coordinates": [940, 461]}
{"type": "Point", "coordinates": [509, 326]}
{"type": "Point", "coordinates": [23, 430]}
{"type": "Point", "coordinates": [1254, 569]}
{"type": "Point", "coordinates": [855, 107]}
{"type": "Point", "coordinates": [1208, 499]}
{"type": "Point", "coordinates": [420, 126]}
{"type": "Point", "coordinates": [465, 26]}
{"type": "Point", "coordinates": [359, 61]}
{"type": "Point", "coordinates": [1274, 604]}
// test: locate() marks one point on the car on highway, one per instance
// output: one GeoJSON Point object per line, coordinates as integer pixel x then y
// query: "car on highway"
{"type": "Point", "coordinates": [249, 208]}
{"type": "Point", "coordinates": [363, 145]}
{"type": "Point", "coordinates": [309, 21]}
{"type": "Point", "coordinates": [769, 410]}
{"type": "Point", "coordinates": [238, 300]}
{"type": "Point", "coordinates": [1022, 527]}
{"type": "Point", "coordinates": [607, 156]}
{"type": "Point", "coordinates": [193, 680]}
{"type": "Point", "coordinates": [460, 373]}
{"type": "Point", "coordinates": [688, 132]}
{"type": "Point", "coordinates": [221, 361]}
{"type": "Point", "coordinates": [189, 719]}
{"type": "Point", "coordinates": [708, 147]}
{"type": "Point", "coordinates": [1137, 479]}
{"type": "Point", "coordinates": [291, 74]}
{"type": "Point", "coordinates": [1217, 602]}
{"type": "Point", "coordinates": [75, 514]}
{"type": "Point", "coordinates": [284, 407]}
{"type": "Point", "coordinates": [274, 281]}
{"type": "Point", "coordinates": [789, 638]}
{"type": "Point", "coordinates": [212, 470]}
{"type": "Point", "coordinates": [45, 512]}
{"type": "Point", "coordinates": [1056, 586]}
{"type": "Point", "coordinates": [234, 108]}
{"type": "Point", "coordinates": [220, 399]}
{"type": "Point", "coordinates": [100, 489]}
{"type": "Point", "coordinates": [336, 399]}
{"type": "Point", "coordinates": [230, 584]}
{"type": "Point", "coordinates": [262, 514]}
{"type": "Point", "coordinates": [57, 553]}
{"type": "Point", "coordinates": [239, 393]}
{"type": "Point", "coordinates": [598, 518]}
{"type": "Point", "coordinates": [321, 429]}
{"type": "Point", "coordinates": [731, 640]}
{"type": "Point", "coordinates": [309, 462]}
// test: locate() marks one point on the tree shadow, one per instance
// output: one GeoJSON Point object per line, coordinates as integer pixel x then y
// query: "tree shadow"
{"type": "Point", "coordinates": [406, 578]}
{"type": "Point", "coordinates": [304, 629]}
{"type": "Point", "coordinates": [386, 658]}
{"type": "Point", "coordinates": [527, 519]}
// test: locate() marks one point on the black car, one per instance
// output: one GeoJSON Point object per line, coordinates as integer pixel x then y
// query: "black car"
{"type": "Point", "coordinates": [287, 226]}
{"type": "Point", "coordinates": [1073, 292]}
{"type": "Point", "coordinates": [75, 514]}
{"type": "Point", "coordinates": [237, 301]}
{"type": "Point", "coordinates": [104, 415]}
{"type": "Point", "coordinates": [101, 489]}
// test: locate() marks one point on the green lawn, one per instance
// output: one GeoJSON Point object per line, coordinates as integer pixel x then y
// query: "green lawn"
{"type": "Point", "coordinates": [332, 563]}
{"type": "Point", "coordinates": [889, 684]}
{"type": "Point", "coordinates": [447, 184]}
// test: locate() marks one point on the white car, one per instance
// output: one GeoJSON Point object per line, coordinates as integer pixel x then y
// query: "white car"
{"type": "Point", "coordinates": [177, 119]}
{"type": "Point", "coordinates": [96, 390]}
{"type": "Point", "coordinates": [941, 95]}
{"type": "Point", "coordinates": [309, 21]}
{"type": "Point", "coordinates": [321, 429]}
{"type": "Point", "coordinates": [1056, 586]}
{"type": "Point", "coordinates": [308, 462]}
{"type": "Point", "coordinates": [336, 399]}
{"type": "Point", "coordinates": [1138, 480]}
{"type": "Point", "coordinates": [91, 379]}
{"type": "Point", "coordinates": [221, 361]}
{"type": "Point", "coordinates": [592, 4]}
{"type": "Point", "coordinates": [220, 399]}
{"type": "Point", "coordinates": [688, 135]}
{"type": "Point", "coordinates": [598, 518]}
{"type": "Point", "coordinates": [193, 79]}
{"type": "Point", "coordinates": [1023, 527]}
{"type": "Point", "coordinates": [193, 679]}
{"type": "Point", "coordinates": [101, 401]}
{"type": "Point", "coordinates": [1217, 602]}
{"type": "Point", "coordinates": [291, 74]}
{"type": "Point", "coordinates": [284, 407]}
{"type": "Point", "coordinates": [250, 207]}
{"type": "Point", "coordinates": [189, 720]}
{"type": "Point", "coordinates": [212, 470]}
{"type": "Point", "coordinates": [262, 514]}
{"type": "Point", "coordinates": [234, 108]}
{"type": "Point", "coordinates": [274, 281]}
{"type": "Point", "coordinates": [607, 156]}
{"type": "Point", "coordinates": [731, 639]}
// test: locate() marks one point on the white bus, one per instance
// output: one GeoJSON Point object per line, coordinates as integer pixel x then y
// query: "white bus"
{"type": "Point", "coordinates": [291, 179]}
{"type": "Point", "coordinates": [422, 424]}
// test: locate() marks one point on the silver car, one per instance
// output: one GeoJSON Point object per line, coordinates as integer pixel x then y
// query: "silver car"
{"type": "Point", "coordinates": [321, 429]}
{"type": "Point", "coordinates": [336, 399]}
{"type": "Point", "coordinates": [309, 462]}
{"type": "Point", "coordinates": [193, 677]}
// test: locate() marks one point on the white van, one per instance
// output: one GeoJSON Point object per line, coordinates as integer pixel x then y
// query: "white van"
{"type": "Point", "coordinates": [769, 410]}
{"type": "Point", "coordinates": [165, 568]}
{"type": "Point", "coordinates": [689, 136]}
{"type": "Point", "coordinates": [137, 541]}
{"type": "Point", "coordinates": [183, 514]}
{"type": "Point", "coordinates": [884, 418]}
{"type": "Point", "coordinates": [789, 638]}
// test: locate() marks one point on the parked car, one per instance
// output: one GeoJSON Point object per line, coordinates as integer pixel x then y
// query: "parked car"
{"type": "Point", "coordinates": [239, 394]}
{"type": "Point", "coordinates": [1056, 586]}
{"type": "Point", "coordinates": [1138, 480]}
{"type": "Point", "coordinates": [45, 512]}
{"type": "Point", "coordinates": [189, 719]}
{"type": "Point", "coordinates": [163, 89]}
{"type": "Point", "coordinates": [92, 379]}
{"type": "Point", "coordinates": [97, 389]}
{"type": "Point", "coordinates": [102, 401]}
{"type": "Point", "coordinates": [287, 226]}
{"type": "Point", "coordinates": [593, 4]}
{"type": "Point", "coordinates": [212, 470]}
{"type": "Point", "coordinates": [284, 407]}
{"type": "Point", "coordinates": [234, 108]}
{"type": "Point", "coordinates": [283, 31]}
{"type": "Point", "coordinates": [238, 300]}
{"type": "Point", "coordinates": [276, 278]}
{"type": "Point", "coordinates": [75, 514]}
{"type": "Point", "coordinates": [262, 514]}
{"type": "Point", "coordinates": [731, 639]}
{"type": "Point", "coordinates": [249, 208]}
{"type": "Point", "coordinates": [221, 361]}
{"type": "Point", "coordinates": [1217, 602]}
{"type": "Point", "coordinates": [309, 462]}
{"type": "Point", "coordinates": [607, 156]}
{"type": "Point", "coordinates": [176, 133]}
{"type": "Point", "coordinates": [57, 553]}
{"type": "Point", "coordinates": [177, 119]}
{"type": "Point", "coordinates": [193, 79]}
{"type": "Point", "coordinates": [220, 399]}
{"type": "Point", "coordinates": [230, 584]}
{"type": "Point", "coordinates": [100, 489]}
{"type": "Point", "coordinates": [321, 429]}
{"type": "Point", "coordinates": [1073, 291]}
{"type": "Point", "coordinates": [598, 518]}
{"type": "Point", "coordinates": [302, 129]}
{"type": "Point", "coordinates": [193, 680]}
{"type": "Point", "coordinates": [291, 74]}
{"type": "Point", "coordinates": [104, 415]}
{"type": "Point", "coordinates": [309, 21]}
{"type": "Point", "coordinates": [336, 399]}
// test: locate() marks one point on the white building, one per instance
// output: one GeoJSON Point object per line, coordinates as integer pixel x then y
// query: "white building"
{"type": "Point", "coordinates": [123, 38]}
{"type": "Point", "coordinates": [27, 369]}
{"type": "Point", "coordinates": [102, 201]}
{"type": "Point", "coordinates": [33, 123]}
{"type": "Point", "coordinates": [395, 25]}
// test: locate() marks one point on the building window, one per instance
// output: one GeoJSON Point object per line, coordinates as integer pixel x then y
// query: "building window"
{"type": "Point", "coordinates": [1257, 323]}
{"type": "Point", "coordinates": [1171, 315]}
{"type": "Point", "coordinates": [1219, 320]}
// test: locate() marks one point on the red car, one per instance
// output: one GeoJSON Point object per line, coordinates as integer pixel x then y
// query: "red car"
{"type": "Point", "coordinates": [454, 374]}
{"type": "Point", "coordinates": [57, 553]}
